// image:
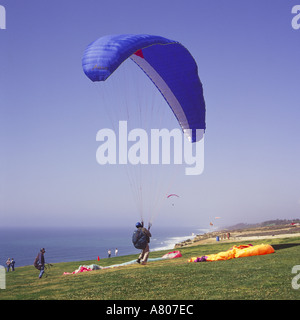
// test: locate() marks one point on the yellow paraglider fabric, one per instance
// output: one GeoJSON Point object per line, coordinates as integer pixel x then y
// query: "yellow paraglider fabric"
{"type": "Point", "coordinates": [236, 252]}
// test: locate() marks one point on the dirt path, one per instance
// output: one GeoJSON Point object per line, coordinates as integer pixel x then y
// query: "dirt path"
{"type": "Point", "coordinates": [282, 231]}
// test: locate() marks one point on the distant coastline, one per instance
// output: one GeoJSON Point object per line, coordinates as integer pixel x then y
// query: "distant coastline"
{"type": "Point", "coordinates": [243, 232]}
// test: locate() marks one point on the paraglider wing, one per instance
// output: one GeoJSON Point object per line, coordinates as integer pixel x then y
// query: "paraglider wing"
{"type": "Point", "coordinates": [167, 63]}
{"type": "Point", "coordinates": [172, 195]}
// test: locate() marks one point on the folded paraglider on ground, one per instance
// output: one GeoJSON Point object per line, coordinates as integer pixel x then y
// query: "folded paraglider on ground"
{"type": "Point", "coordinates": [236, 252]}
{"type": "Point", "coordinates": [84, 268]}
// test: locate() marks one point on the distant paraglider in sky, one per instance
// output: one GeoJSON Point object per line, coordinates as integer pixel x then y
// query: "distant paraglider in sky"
{"type": "Point", "coordinates": [212, 224]}
{"type": "Point", "coordinates": [172, 195]}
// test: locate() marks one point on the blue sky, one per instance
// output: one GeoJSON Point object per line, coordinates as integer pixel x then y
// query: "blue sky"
{"type": "Point", "coordinates": [248, 59]}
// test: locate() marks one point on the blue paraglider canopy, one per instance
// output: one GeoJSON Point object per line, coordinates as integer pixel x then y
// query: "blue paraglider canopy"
{"type": "Point", "coordinates": [168, 64]}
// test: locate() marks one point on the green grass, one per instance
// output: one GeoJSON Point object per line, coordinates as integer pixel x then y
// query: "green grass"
{"type": "Point", "coordinates": [266, 277]}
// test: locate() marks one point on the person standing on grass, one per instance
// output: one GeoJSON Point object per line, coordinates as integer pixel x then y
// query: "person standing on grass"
{"type": "Point", "coordinates": [12, 264]}
{"type": "Point", "coordinates": [39, 262]}
{"type": "Point", "coordinates": [8, 264]}
{"type": "Point", "coordinates": [141, 240]}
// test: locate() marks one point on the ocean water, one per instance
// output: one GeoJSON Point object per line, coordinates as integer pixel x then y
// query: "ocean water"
{"type": "Point", "coordinates": [79, 244]}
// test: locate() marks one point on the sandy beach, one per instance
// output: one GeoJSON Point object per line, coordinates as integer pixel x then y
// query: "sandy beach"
{"type": "Point", "coordinates": [247, 234]}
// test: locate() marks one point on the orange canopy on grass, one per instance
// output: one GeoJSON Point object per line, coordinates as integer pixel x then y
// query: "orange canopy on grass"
{"type": "Point", "coordinates": [236, 252]}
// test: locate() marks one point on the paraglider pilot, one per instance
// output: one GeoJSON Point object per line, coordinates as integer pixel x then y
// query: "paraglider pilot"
{"type": "Point", "coordinates": [141, 239]}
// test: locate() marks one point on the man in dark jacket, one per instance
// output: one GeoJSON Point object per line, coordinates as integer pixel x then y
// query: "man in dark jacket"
{"type": "Point", "coordinates": [39, 262]}
{"type": "Point", "coordinates": [143, 257]}
{"type": "Point", "coordinates": [12, 264]}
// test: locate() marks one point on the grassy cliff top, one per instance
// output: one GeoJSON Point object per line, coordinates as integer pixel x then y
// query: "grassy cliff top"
{"type": "Point", "coordinates": [259, 277]}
